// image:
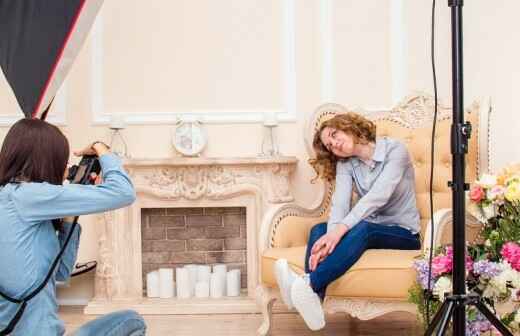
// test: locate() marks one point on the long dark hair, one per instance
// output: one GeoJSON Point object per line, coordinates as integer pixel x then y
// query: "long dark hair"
{"type": "Point", "coordinates": [34, 151]}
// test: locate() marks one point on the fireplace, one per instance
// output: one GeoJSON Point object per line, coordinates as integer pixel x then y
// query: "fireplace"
{"type": "Point", "coordinates": [210, 196]}
{"type": "Point", "coordinates": [176, 237]}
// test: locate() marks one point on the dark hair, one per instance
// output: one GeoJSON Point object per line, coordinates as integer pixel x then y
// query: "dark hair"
{"type": "Point", "coordinates": [362, 129]}
{"type": "Point", "coordinates": [33, 151]}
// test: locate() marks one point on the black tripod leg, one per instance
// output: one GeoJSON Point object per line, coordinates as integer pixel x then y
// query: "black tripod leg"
{"type": "Point", "coordinates": [492, 318]}
{"type": "Point", "coordinates": [446, 318]}
{"type": "Point", "coordinates": [436, 319]}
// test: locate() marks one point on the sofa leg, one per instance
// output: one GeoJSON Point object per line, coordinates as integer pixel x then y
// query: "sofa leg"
{"type": "Point", "coordinates": [265, 299]}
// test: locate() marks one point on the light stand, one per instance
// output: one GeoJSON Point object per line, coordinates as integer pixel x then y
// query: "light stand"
{"type": "Point", "coordinates": [455, 304]}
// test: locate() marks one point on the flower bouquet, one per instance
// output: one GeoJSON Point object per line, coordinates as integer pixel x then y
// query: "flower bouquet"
{"type": "Point", "coordinates": [492, 264]}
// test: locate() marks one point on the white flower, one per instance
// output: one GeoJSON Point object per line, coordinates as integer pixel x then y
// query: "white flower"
{"type": "Point", "coordinates": [491, 291]}
{"type": "Point", "coordinates": [498, 285]}
{"type": "Point", "coordinates": [487, 180]}
{"type": "Point", "coordinates": [487, 243]}
{"type": "Point", "coordinates": [489, 211]}
{"type": "Point", "coordinates": [515, 279]}
{"type": "Point", "coordinates": [442, 286]}
{"type": "Point", "coordinates": [517, 317]}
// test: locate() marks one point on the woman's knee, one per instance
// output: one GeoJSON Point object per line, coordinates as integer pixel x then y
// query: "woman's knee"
{"type": "Point", "coordinates": [134, 321]}
{"type": "Point", "coordinates": [362, 228]}
{"type": "Point", "coordinates": [318, 230]}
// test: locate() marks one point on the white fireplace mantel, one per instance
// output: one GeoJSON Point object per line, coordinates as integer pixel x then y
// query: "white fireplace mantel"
{"type": "Point", "coordinates": [254, 183]}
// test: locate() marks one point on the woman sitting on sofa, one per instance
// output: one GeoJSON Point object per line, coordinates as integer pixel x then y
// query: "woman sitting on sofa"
{"type": "Point", "coordinates": [385, 217]}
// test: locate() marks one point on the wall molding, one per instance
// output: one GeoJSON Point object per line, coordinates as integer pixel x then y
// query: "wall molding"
{"type": "Point", "coordinates": [328, 84]}
{"type": "Point", "coordinates": [287, 113]}
{"type": "Point", "coordinates": [398, 57]}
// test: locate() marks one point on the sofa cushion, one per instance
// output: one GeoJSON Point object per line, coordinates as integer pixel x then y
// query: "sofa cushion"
{"type": "Point", "coordinates": [385, 274]}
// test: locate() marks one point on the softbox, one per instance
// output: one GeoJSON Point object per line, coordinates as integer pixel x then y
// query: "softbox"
{"type": "Point", "coordinates": [39, 40]}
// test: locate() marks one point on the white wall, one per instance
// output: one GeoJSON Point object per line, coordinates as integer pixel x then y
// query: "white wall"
{"type": "Point", "coordinates": [491, 65]}
{"type": "Point", "coordinates": [227, 62]}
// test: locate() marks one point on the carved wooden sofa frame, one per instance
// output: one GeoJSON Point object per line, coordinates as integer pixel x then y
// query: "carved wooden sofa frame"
{"type": "Point", "coordinates": [284, 229]}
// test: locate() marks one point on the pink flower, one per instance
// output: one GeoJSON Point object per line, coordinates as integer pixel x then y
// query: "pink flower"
{"type": "Point", "coordinates": [444, 263]}
{"type": "Point", "coordinates": [449, 251]}
{"type": "Point", "coordinates": [476, 194]}
{"type": "Point", "coordinates": [469, 263]}
{"type": "Point", "coordinates": [441, 264]}
{"type": "Point", "coordinates": [511, 252]}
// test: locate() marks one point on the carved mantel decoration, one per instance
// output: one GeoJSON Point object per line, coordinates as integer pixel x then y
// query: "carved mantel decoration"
{"type": "Point", "coordinates": [258, 184]}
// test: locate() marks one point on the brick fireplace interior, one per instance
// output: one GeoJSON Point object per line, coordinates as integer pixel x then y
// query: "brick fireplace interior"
{"type": "Point", "coordinates": [175, 237]}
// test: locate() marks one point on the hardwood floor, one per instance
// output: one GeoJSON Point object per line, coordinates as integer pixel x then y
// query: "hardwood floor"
{"type": "Point", "coordinates": [285, 324]}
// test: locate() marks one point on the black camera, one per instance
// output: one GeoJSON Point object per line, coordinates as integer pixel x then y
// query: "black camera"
{"type": "Point", "coordinates": [82, 172]}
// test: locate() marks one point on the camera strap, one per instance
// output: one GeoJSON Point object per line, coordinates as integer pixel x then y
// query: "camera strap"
{"type": "Point", "coordinates": [23, 301]}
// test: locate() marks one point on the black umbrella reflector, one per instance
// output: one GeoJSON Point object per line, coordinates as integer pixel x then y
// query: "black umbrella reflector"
{"type": "Point", "coordinates": [39, 40]}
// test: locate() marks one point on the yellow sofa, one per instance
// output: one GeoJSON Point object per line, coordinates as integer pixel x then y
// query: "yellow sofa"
{"type": "Point", "coordinates": [378, 283]}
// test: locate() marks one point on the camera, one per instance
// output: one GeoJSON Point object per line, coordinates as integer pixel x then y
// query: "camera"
{"type": "Point", "coordinates": [82, 172]}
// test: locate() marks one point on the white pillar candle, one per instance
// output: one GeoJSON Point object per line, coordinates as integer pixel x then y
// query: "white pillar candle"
{"type": "Point", "coordinates": [202, 289]}
{"type": "Point", "coordinates": [233, 283]}
{"type": "Point", "coordinates": [165, 283]}
{"type": "Point", "coordinates": [203, 273]}
{"type": "Point", "coordinates": [152, 284]}
{"type": "Point", "coordinates": [217, 285]}
{"type": "Point", "coordinates": [220, 268]}
{"type": "Point", "coordinates": [183, 283]}
{"type": "Point", "coordinates": [192, 270]}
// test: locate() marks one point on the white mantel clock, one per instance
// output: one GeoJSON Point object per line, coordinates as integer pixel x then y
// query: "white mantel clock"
{"type": "Point", "coordinates": [189, 138]}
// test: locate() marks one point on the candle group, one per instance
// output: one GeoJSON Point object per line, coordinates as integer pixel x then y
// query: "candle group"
{"type": "Point", "coordinates": [194, 281]}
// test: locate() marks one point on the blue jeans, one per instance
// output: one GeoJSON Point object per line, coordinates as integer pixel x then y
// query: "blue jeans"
{"type": "Point", "coordinates": [361, 237]}
{"type": "Point", "coordinates": [119, 323]}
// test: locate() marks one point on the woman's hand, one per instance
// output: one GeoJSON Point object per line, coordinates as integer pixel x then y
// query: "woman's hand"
{"type": "Point", "coordinates": [96, 178]}
{"type": "Point", "coordinates": [325, 245]}
{"type": "Point", "coordinates": [98, 148]}
{"type": "Point", "coordinates": [328, 241]}
{"type": "Point", "coordinates": [316, 258]}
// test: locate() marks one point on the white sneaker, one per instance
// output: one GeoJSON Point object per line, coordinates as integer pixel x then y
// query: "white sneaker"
{"type": "Point", "coordinates": [307, 303]}
{"type": "Point", "coordinates": [285, 277]}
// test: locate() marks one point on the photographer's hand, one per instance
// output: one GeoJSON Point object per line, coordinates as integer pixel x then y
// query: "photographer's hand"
{"type": "Point", "coordinates": [97, 148]}
{"type": "Point", "coordinates": [96, 178]}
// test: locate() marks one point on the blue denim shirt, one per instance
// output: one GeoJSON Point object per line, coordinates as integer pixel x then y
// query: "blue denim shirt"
{"type": "Point", "coordinates": [29, 243]}
{"type": "Point", "coordinates": [386, 189]}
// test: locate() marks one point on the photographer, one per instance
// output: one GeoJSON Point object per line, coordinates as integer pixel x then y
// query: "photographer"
{"type": "Point", "coordinates": [35, 208]}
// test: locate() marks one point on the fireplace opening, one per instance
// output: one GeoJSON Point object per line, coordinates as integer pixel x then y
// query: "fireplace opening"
{"type": "Point", "coordinates": [176, 237]}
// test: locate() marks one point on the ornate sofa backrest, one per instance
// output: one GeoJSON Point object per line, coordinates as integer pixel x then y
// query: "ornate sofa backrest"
{"type": "Point", "coordinates": [411, 122]}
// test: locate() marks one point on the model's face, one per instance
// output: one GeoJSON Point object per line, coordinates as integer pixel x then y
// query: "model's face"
{"type": "Point", "coordinates": [337, 142]}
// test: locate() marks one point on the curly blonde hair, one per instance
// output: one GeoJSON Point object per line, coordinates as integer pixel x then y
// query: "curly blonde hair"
{"type": "Point", "coordinates": [362, 129]}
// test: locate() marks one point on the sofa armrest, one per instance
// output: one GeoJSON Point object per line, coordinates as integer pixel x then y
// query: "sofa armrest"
{"type": "Point", "coordinates": [288, 225]}
{"type": "Point", "coordinates": [443, 221]}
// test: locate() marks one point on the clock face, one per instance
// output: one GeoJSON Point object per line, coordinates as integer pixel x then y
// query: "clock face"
{"type": "Point", "coordinates": [189, 139]}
